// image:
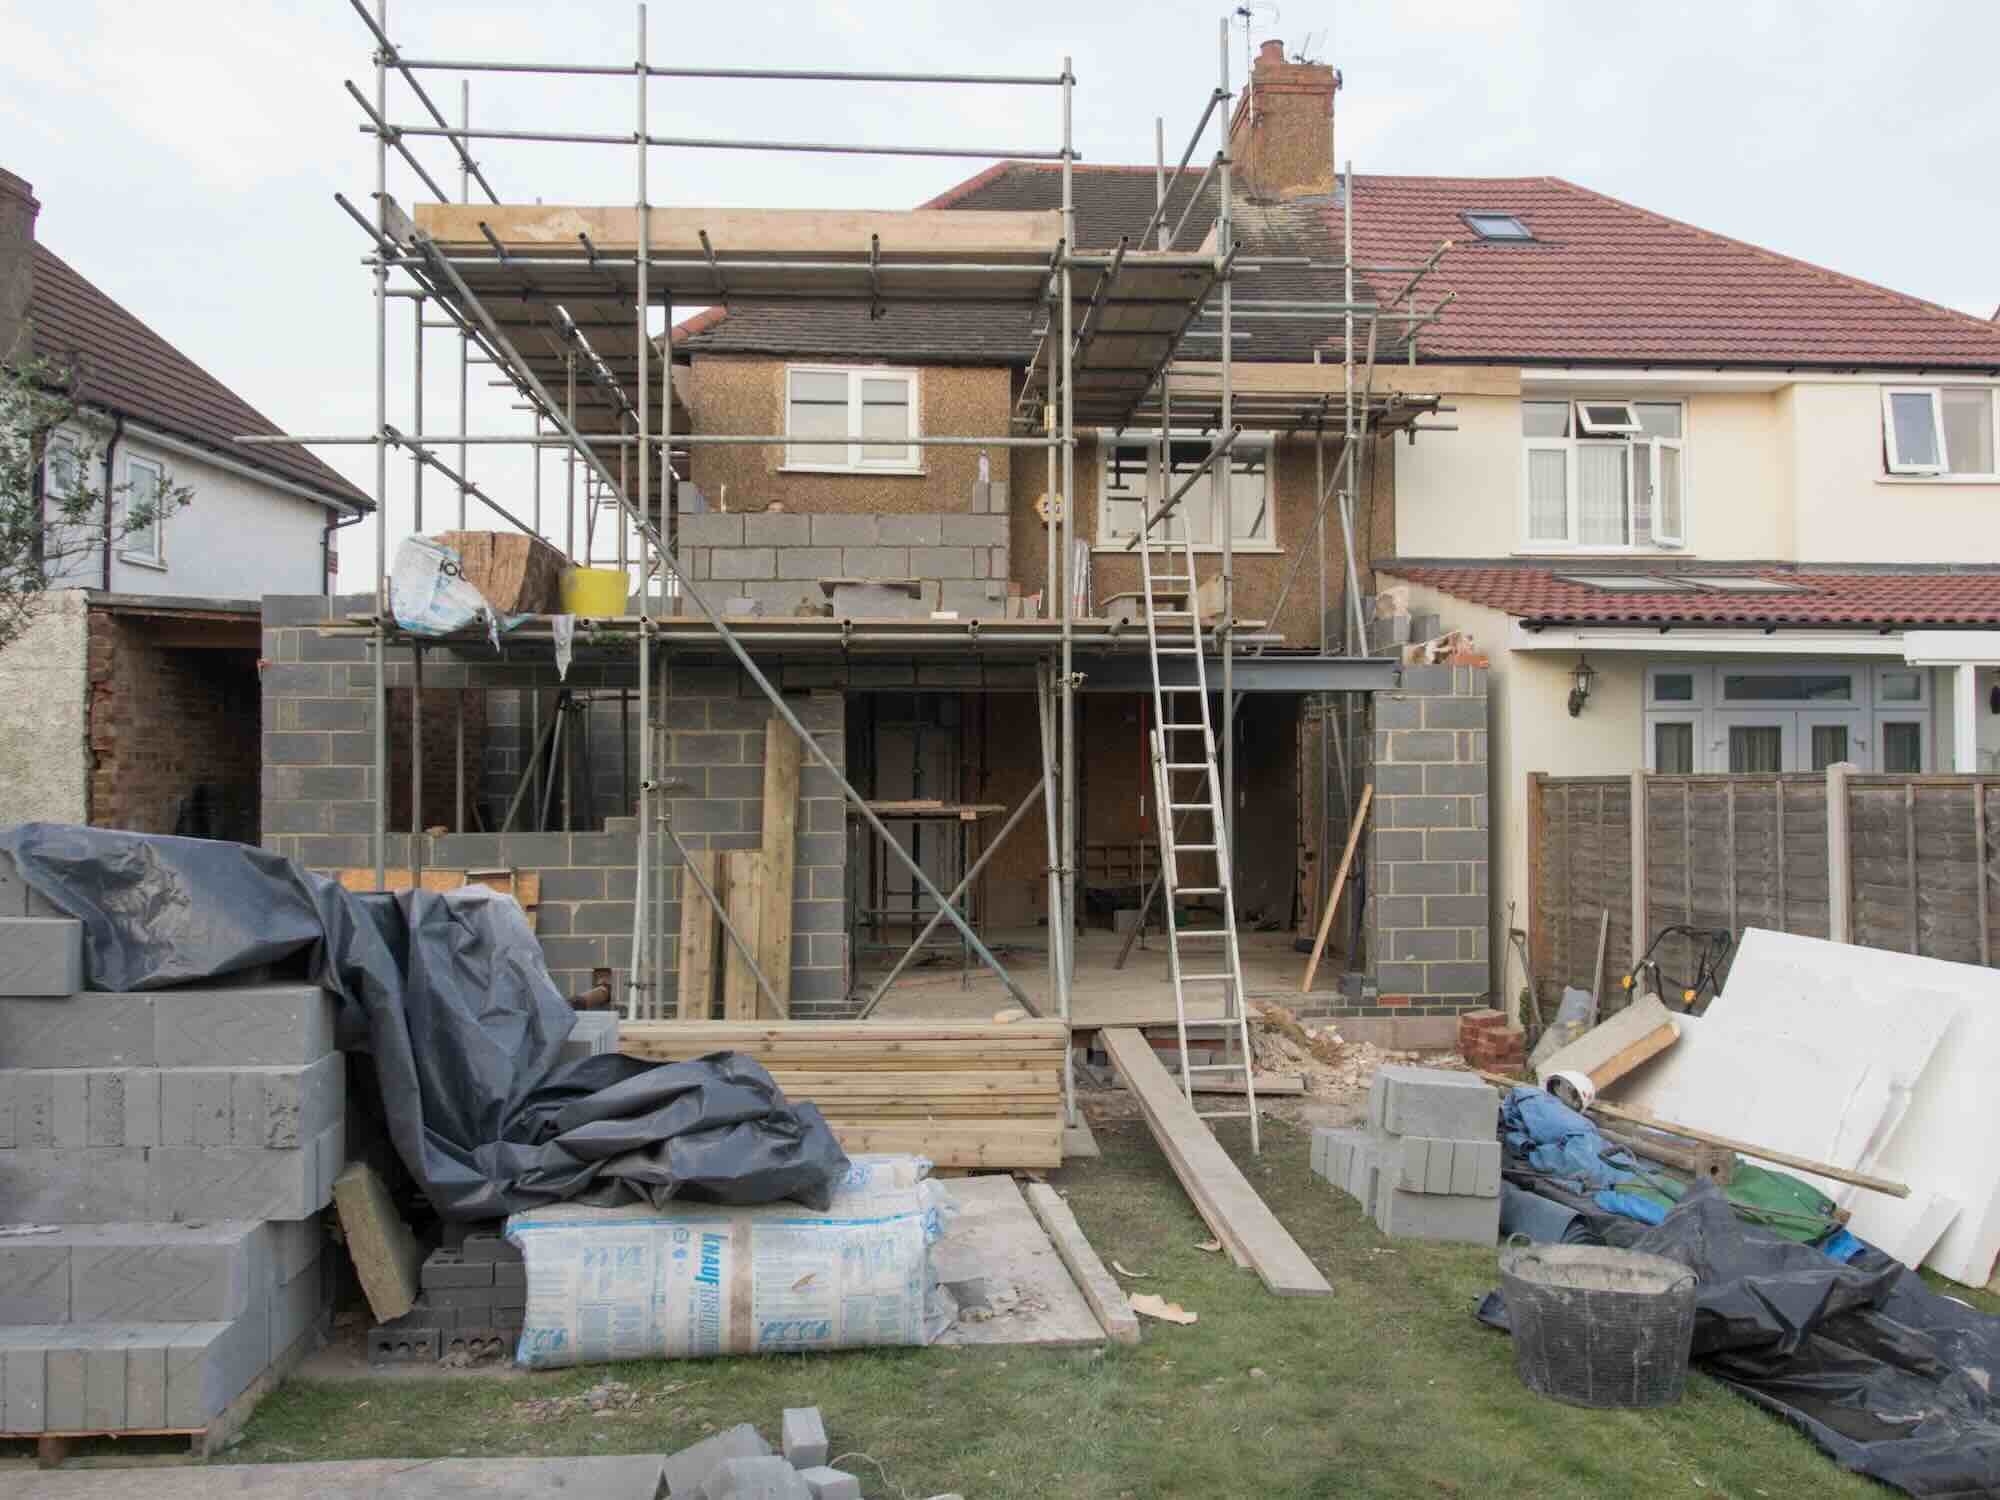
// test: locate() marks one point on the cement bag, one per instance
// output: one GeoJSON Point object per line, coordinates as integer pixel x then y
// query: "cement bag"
{"type": "Point", "coordinates": [429, 595]}
{"type": "Point", "coordinates": [689, 1281]}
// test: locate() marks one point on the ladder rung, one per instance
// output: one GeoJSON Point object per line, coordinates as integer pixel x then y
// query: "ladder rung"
{"type": "Point", "coordinates": [1201, 932]}
{"type": "Point", "coordinates": [1199, 890]}
{"type": "Point", "coordinates": [1169, 578]}
{"type": "Point", "coordinates": [1194, 848]}
{"type": "Point", "coordinates": [1235, 1067]}
{"type": "Point", "coordinates": [1182, 728]}
{"type": "Point", "coordinates": [1173, 614]}
{"type": "Point", "coordinates": [1187, 765]}
{"type": "Point", "coordinates": [1189, 807]}
{"type": "Point", "coordinates": [1208, 979]}
{"type": "Point", "coordinates": [1223, 1114]}
{"type": "Point", "coordinates": [1175, 651]}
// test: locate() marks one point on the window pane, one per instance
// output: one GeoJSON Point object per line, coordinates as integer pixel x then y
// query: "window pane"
{"type": "Point", "coordinates": [885, 413]}
{"type": "Point", "coordinates": [1548, 501]}
{"type": "Point", "coordinates": [1968, 431]}
{"type": "Point", "coordinates": [1673, 749]}
{"type": "Point", "coordinates": [819, 385]}
{"type": "Point", "coordinates": [1673, 687]}
{"type": "Point", "coordinates": [142, 492]}
{"type": "Point", "coordinates": [1788, 687]}
{"type": "Point", "coordinates": [1901, 687]}
{"type": "Point", "coordinates": [1250, 512]}
{"type": "Point", "coordinates": [1829, 744]}
{"type": "Point", "coordinates": [1545, 419]}
{"type": "Point", "coordinates": [1600, 494]}
{"type": "Point", "coordinates": [1916, 436]}
{"type": "Point", "coordinates": [1659, 418]}
{"type": "Point", "coordinates": [1902, 747]}
{"type": "Point", "coordinates": [1669, 502]}
{"type": "Point", "coordinates": [1604, 416]}
{"type": "Point", "coordinates": [1124, 489]}
{"type": "Point", "coordinates": [817, 408]}
{"type": "Point", "coordinates": [1756, 747]}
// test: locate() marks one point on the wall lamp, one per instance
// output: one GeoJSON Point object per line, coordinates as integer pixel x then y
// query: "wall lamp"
{"type": "Point", "coordinates": [1579, 693]}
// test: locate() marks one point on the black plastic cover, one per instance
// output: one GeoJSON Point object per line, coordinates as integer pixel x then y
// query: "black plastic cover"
{"type": "Point", "coordinates": [1890, 1378]}
{"type": "Point", "coordinates": [448, 994]}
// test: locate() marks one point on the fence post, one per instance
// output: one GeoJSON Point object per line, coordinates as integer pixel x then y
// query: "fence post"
{"type": "Point", "coordinates": [1641, 874]}
{"type": "Point", "coordinates": [1537, 842]}
{"type": "Point", "coordinates": [1839, 870]}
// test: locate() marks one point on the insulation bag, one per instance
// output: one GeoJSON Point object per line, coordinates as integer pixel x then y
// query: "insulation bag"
{"type": "Point", "coordinates": [691, 1280]}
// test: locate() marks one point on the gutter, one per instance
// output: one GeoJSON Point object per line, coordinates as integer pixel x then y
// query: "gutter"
{"type": "Point", "coordinates": [236, 466]}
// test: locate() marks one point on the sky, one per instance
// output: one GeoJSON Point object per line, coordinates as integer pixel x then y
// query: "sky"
{"type": "Point", "coordinates": [186, 156]}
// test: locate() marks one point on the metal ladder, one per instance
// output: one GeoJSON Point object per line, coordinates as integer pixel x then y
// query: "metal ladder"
{"type": "Point", "coordinates": [1187, 787]}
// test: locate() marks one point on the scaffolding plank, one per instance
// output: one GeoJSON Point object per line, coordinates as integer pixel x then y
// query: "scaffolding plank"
{"type": "Point", "coordinates": [1228, 1202]}
{"type": "Point", "coordinates": [700, 929]}
{"type": "Point", "coordinates": [781, 828]}
{"type": "Point", "coordinates": [741, 998]}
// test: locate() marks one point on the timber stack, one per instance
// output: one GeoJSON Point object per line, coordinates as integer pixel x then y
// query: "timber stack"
{"type": "Point", "coordinates": [964, 1094]}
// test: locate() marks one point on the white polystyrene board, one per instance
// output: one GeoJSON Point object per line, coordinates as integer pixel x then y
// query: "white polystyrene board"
{"type": "Point", "coordinates": [1907, 1228]}
{"type": "Point", "coordinates": [1942, 1144]}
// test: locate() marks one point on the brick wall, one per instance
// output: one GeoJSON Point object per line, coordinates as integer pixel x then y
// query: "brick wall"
{"type": "Point", "coordinates": [173, 733]}
{"type": "Point", "coordinates": [1426, 918]}
{"type": "Point", "coordinates": [778, 558]}
{"type": "Point", "coordinates": [318, 788]}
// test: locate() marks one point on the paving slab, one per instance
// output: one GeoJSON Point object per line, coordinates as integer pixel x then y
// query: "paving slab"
{"type": "Point", "coordinates": [996, 1239]}
{"type": "Point", "coordinates": [625, 1477]}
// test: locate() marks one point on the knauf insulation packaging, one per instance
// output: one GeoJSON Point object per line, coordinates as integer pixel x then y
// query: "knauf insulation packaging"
{"type": "Point", "coordinates": [694, 1280]}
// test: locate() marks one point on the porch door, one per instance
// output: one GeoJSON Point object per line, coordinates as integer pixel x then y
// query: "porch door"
{"type": "Point", "coordinates": [1749, 740]}
{"type": "Point", "coordinates": [1824, 739]}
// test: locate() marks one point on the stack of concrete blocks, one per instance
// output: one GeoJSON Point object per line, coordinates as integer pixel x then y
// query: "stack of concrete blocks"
{"type": "Point", "coordinates": [739, 1465]}
{"type": "Point", "coordinates": [776, 559]}
{"type": "Point", "coordinates": [1428, 1164]}
{"type": "Point", "coordinates": [163, 1161]}
{"type": "Point", "coordinates": [473, 1301]}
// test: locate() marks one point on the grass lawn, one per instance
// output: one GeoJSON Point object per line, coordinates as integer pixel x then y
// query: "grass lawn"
{"type": "Point", "coordinates": [1386, 1388]}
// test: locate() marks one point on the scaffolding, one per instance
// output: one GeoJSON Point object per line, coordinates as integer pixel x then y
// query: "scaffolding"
{"type": "Point", "coordinates": [567, 325]}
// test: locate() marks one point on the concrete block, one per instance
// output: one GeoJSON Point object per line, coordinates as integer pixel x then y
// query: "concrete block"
{"type": "Point", "coordinates": [69, 1099]}
{"type": "Point", "coordinates": [805, 563]}
{"type": "Point", "coordinates": [1433, 1102]}
{"type": "Point", "coordinates": [165, 1272]}
{"type": "Point", "coordinates": [1365, 1172]}
{"type": "Point", "coordinates": [823, 1483]}
{"type": "Point", "coordinates": [83, 1031]}
{"type": "Point", "coordinates": [88, 1185]}
{"type": "Point", "coordinates": [595, 1032]}
{"type": "Point", "coordinates": [488, 1244]}
{"type": "Point", "coordinates": [403, 1343]}
{"type": "Point", "coordinates": [754, 1479]}
{"type": "Point", "coordinates": [104, 1389]}
{"type": "Point", "coordinates": [41, 956]}
{"type": "Point", "coordinates": [777, 528]}
{"type": "Point", "coordinates": [973, 599]}
{"type": "Point", "coordinates": [844, 530]}
{"type": "Point", "coordinates": [34, 1282]}
{"type": "Point", "coordinates": [731, 563]}
{"type": "Point", "coordinates": [975, 530]}
{"type": "Point", "coordinates": [23, 1390]}
{"type": "Point", "coordinates": [941, 562]}
{"type": "Point", "coordinates": [711, 529]}
{"type": "Point", "coordinates": [686, 1471]}
{"type": "Point", "coordinates": [460, 1298]}
{"type": "Point", "coordinates": [875, 562]}
{"type": "Point", "coordinates": [1434, 1216]}
{"type": "Point", "coordinates": [65, 1385]}
{"type": "Point", "coordinates": [443, 1269]}
{"type": "Point", "coordinates": [909, 531]}
{"type": "Point", "coordinates": [263, 1025]}
{"type": "Point", "coordinates": [803, 1436]}
{"type": "Point", "coordinates": [295, 1308]}
{"type": "Point", "coordinates": [211, 1364]}
{"type": "Point", "coordinates": [193, 1182]}
{"type": "Point", "coordinates": [142, 1107]}
{"type": "Point", "coordinates": [146, 1387]}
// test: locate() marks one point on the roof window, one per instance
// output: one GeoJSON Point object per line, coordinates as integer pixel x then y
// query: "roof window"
{"type": "Point", "coordinates": [1627, 583]}
{"type": "Point", "coordinates": [1494, 226]}
{"type": "Point", "coordinates": [1732, 583]}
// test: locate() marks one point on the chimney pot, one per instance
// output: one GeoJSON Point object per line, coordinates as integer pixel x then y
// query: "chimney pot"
{"type": "Point", "coordinates": [1272, 51]}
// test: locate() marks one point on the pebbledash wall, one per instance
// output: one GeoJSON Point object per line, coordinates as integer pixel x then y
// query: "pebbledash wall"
{"type": "Point", "coordinates": [318, 790]}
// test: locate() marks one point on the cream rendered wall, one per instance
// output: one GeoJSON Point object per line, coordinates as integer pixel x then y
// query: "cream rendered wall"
{"type": "Point", "coordinates": [1850, 511]}
{"type": "Point", "coordinates": [1458, 494]}
{"type": "Point", "coordinates": [44, 686]}
{"type": "Point", "coordinates": [1532, 731]}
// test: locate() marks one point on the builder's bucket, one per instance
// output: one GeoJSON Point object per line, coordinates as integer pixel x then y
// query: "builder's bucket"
{"type": "Point", "coordinates": [593, 591]}
{"type": "Point", "coordinates": [1595, 1326]}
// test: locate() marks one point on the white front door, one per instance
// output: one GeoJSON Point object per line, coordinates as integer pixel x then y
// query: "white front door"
{"type": "Point", "coordinates": [1753, 740]}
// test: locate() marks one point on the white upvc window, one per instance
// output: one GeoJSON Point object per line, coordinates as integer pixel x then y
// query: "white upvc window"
{"type": "Point", "coordinates": [1933, 430]}
{"type": "Point", "coordinates": [1603, 474]}
{"type": "Point", "coordinates": [144, 480]}
{"type": "Point", "coordinates": [867, 417]}
{"type": "Point", "coordinates": [1769, 714]}
{"type": "Point", "coordinates": [1134, 479]}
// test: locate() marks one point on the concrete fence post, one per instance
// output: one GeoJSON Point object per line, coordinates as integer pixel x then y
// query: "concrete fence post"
{"type": "Point", "coordinates": [1641, 880]}
{"type": "Point", "coordinates": [1839, 866]}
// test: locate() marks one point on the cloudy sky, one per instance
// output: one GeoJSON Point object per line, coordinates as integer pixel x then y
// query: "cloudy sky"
{"type": "Point", "coordinates": [186, 154]}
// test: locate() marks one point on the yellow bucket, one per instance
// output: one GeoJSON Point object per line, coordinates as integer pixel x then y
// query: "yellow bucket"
{"type": "Point", "coordinates": [593, 591]}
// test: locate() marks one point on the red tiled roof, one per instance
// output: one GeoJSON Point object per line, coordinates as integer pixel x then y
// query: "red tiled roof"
{"type": "Point", "coordinates": [119, 364]}
{"type": "Point", "coordinates": [1603, 280]}
{"type": "Point", "coordinates": [1859, 600]}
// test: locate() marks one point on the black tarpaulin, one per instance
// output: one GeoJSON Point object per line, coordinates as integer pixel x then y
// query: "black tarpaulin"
{"type": "Point", "coordinates": [446, 992]}
{"type": "Point", "coordinates": [1890, 1378]}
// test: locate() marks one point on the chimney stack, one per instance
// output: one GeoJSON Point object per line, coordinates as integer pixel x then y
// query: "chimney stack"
{"type": "Point", "coordinates": [1281, 137]}
{"type": "Point", "coordinates": [17, 265]}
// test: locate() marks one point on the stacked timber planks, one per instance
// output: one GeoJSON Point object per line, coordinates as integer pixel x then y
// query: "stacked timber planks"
{"type": "Point", "coordinates": [965, 1094]}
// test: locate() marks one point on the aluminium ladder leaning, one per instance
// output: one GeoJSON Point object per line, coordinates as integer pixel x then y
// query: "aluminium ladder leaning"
{"type": "Point", "coordinates": [1187, 795]}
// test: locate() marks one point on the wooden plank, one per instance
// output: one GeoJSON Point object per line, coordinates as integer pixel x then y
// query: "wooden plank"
{"type": "Point", "coordinates": [1339, 884]}
{"type": "Point", "coordinates": [1008, 1144]}
{"type": "Point", "coordinates": [361, 879]}
{"type": "Point", "coordinates": [741, 1035]}
{"type": "Point", "coordinates": [781, 848]}
{"type": "Point", "coordinates": [387, 1258]}
{"type": "Point", "coordinates": [1608, 1040]}
{"type": "Point", "coordinates": [1207, 1173]}
{"type": "Point", "coordinates": [701, 931]}
{"type": "Point", "coordinates": [742, 1000]}
{"type": "Point", "coordinates": [1106, 1298]}
{"type": "Point", "coordinates": [1199, 377]}
{"type": "Point", "coordinates": [1627, 1058]}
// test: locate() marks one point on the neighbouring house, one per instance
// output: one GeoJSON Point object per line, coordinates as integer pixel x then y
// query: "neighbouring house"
{"type": "Point", "coordinates": [132, 699]}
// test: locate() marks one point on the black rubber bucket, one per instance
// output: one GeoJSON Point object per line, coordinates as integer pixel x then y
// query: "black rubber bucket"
{"type": "Point", "coordinates": [1595, 1326]}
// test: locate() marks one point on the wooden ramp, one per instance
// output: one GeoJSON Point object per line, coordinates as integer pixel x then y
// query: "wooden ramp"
{"type": "Point", "coordinates": [1240, 1219]}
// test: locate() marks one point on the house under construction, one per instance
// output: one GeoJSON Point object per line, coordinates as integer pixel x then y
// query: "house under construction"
{"type": "Point", "coordinates": [1030, 518]}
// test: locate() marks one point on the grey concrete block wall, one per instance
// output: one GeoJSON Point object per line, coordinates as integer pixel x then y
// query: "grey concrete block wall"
{"type": "Point", "coordinates": [318, 793]}
{"type": "Point", "coordinates": [1429, 843]}
{"type": "Point", "coordinates": [778, 558]}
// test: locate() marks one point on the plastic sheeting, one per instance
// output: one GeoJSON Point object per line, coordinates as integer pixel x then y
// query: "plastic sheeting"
{"type": "Point", "coordinates": [1889, 1378]}
{"type": "Point", "coordinates": [447, 993]}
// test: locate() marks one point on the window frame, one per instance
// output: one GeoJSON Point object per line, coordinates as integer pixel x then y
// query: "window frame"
{"type": "Point", "coordinates": [1639, 448]}
{"type": "Point", "coordinates": [156, 555]}
{"type": "Point", "coordinates": [1588, 426]}
{"type": "Point", "coordinates": [1104, 539]}
{"type": "Point", "coordinates": [912, 461]}
{"type": "Point", "coordinates": [1472, 217]}
{"type": "Point", "coordinates": [1940, 472]}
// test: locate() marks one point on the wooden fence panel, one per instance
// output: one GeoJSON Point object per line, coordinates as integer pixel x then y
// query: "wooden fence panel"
{"type": "Point", "coordinates": [1922, 859]}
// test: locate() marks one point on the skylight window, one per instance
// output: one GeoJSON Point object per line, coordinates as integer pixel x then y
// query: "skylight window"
{"type": "Point", "coordinates": [1627, 583]}
{"type": "Point", "coordinates": [1498, 227]}
{"type": "Point", "coordinates": [1728, 583]}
